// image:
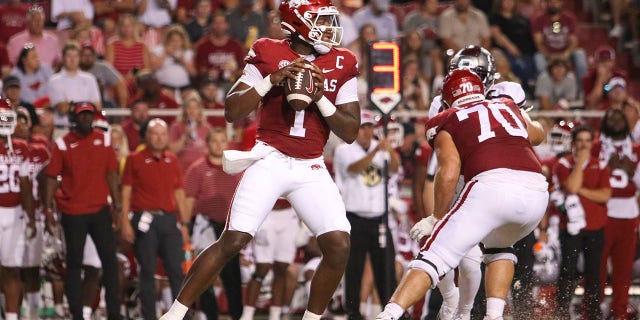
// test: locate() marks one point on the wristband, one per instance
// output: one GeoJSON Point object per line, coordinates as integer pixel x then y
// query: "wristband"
{"type": "Point", "coordinates": [263, 86]}
{"type": "Point", "coordinates": [325, 106]}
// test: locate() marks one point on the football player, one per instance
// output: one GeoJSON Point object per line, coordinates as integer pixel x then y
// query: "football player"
{"type": "Point", "coordinates": [287, 158]}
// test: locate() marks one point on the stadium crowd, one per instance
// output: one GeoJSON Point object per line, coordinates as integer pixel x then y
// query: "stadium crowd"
{"type": "Point", "coordinates": [69, 66]}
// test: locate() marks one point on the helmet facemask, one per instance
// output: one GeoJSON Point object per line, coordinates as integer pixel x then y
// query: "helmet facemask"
{"type": "Point", "coordinates": [478, 60]}
{"type": "Point", "coordinates": [8, 122]}
{"type": "Point", "coordinates": [321, 22]}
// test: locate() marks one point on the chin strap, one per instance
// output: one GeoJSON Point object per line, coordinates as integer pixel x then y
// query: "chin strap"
{"type": "Point", "coordinates": [10, 144]}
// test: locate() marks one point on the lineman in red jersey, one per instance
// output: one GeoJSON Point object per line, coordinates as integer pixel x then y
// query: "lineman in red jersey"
{"type": "Point", "coordinates": [616, 149]}
{"type": "Point", "coordinates": [15, 196]}
{"type": "Point", "coordinates": [287, 159]}
{"type": "Point", "coordinates": [489, 142]}
{"type": "Point", "coordinates": [38, 158]}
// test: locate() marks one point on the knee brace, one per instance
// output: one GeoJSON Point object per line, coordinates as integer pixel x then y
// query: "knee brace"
{"type": "Point", "coordinates": [495, 254]}
{"type": "Point", "coordinates": [421, 263]}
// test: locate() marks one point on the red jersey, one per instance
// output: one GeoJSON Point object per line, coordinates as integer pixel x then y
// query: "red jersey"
{"type": "Point", "coordinates": [39, 156]}
{"type": "Point", "coordinates": [488, 135]}
{"type": "Point", "coordinates": [13, 19]}
{"type": "Point", "coordinates": [423, 154]}
{"type": "Point", "coordinates": [13, 165]}
{"type": "Point", "coordinates": [300, 134]}
{"type": "Point", "coordinates": [213, 57]}
{"type": "Point", "coordinates": [622, 185]}
{"type": "Point", "coordinates": [83, 162]}
{"type": "Point", "coordinates": [596, 176]}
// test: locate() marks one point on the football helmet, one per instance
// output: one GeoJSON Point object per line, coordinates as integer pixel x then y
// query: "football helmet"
{"type": "Point", "coordinates": [461, 86]}
{"type": "Point", "coordinates": [311, 21]}
{"type": "Point", "coordinates": [478, 60]}
{"type": "Point", "coordinates": [560, 137]}
{"type": "Point", "coordinates": [8, 118]}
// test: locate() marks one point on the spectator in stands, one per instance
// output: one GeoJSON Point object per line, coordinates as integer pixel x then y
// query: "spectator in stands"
{"type": "Point", "coordinates": [158, 205]}
{"type": "Point", "coordinates": [87, 33]}
{"type": "Point", "coordinates": [360, 48]}
{"type": "Point", "coordinates": [32, 73]}
{"type": "Point", "coordinates": [425, 19]}
{"type": "Point", "coordinates": [149, 91]}
{"type": "Point", "coordinates": [107, 13]}
{"type": "Point", "coordinates": [349, 30]}
{"type": "Point", "coordinates": [126, 53]}
{"type": "Point", "coordinates": [462, 24]}
{"type": "Point", "coordinates": [72, 84]}
{"type": "Point", "coordinates": [173, 61]}
{"type": "Point", "coordinates": [586, 190]}
{"type": "Point", "coordinates": [46, 42]}
{"type": "Point", "coordinates": [197, 27]}
{"type": "Point", "coordinates": [120, 144]}
{"type": "Point", "coordinates": [377, 13]}
{"type": "Point", "coordinates": [555, 34]}
{"type": "Point", "coordinates": [187, 136]}
{"type": "Point", "coordinates": [245, 24]}
{"type": "Point", "coordinates": [156, 13]}
{"type": "Point", "coordinates": [87, 164]}
{"type": "Point", "coordinates": [11, 88]}
{"type": "Point", "coordinates": [274, 29]}
{"type": "Point", "coordinates": [511, 32]}
{"type": "Point", "coordinates": [132, 126]}
{"type": "Point", "coordinates": [503, 67]}
{"type": "Point", "coordinates": [556, 87]}
{"type": "Point", "coordinates": [617, 95]}
{"type": "Point", "coordinates": [5, 64]}
{"type": "Point", "coordinates": [109, 79]}
{"type": "Point", "coordinates": [69, 13]}
{"type": "Point", "coordinates": [599, 75]}
{"type": "Point", "coordinates": [220, 56]}
{"type": "Point", "coordinates": [14, 18]}
{"type": "Point", "coordinates": [426, 53]}
{"type": "Point", "coordinates": [415, 90]}
{"type": "Point", "coordinates": [209, 192]}
{"type": "Point", "coordinates": [632, 112]}
{"type": "Point", "coordinates": [210, 94]}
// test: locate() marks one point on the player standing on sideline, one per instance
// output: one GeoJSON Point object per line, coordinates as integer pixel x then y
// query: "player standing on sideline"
{"type": "Point", "coordinates": [489, 166]}
{"type": "Point", "coordinates": [38, 158]}
{"type": "Point", "coordinates": [15, 196]}
{"type": "Point", "coordinates": [287, 158]}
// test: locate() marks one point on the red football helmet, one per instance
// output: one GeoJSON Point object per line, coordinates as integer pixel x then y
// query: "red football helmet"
{"type": "Point", "coordinates": [477, 59]}
{"type": "Point", "coordinates": [313, 21]}
{"type": "Point", "coordinates": [8, 118]}
{"type": "Point", "coordinates": [461, 86]}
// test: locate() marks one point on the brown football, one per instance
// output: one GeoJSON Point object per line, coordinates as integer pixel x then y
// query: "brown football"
{"type": "Point", "coordinates": [301, 90]}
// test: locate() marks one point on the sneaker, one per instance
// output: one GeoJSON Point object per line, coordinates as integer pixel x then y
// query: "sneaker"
{"type": "Point", "coordinates": [446, 313]}
{"type": "Point", "coordinates": [616, 32]}
{"type": "Point", "coordinates": [384, 315]}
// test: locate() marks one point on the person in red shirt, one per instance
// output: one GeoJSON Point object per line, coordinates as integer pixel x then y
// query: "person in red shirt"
{"type": "Point", "coordinates": [584, 181]}
{"type": "Point", "coordinates": [13, 19]}
{"type": "Point", "coordinates": [149, 92]}
{"type": "Point", "coordinates": [209, 193]}
{"type": "Point", "coordinates": [595, 80]}
{"type": "Point", "coordinates": [152, 188]}
{"type": "Point", "coordinates": [131, 126]}
{"type": "Point", "coordinates": [86, 162]}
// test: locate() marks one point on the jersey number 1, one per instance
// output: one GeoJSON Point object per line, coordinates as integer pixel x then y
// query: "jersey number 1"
{"type": "Point", "coordinates": [298, 129]}
{"type": "Point", "coordinates": [485, 123]}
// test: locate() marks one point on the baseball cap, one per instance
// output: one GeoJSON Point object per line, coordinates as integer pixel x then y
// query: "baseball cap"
{"type": "Point", "coordinates": [605, 53]}
{"type": "Point", "coordinates": [10, 81]}
{"type": "Point", "coordinates": [84, 106]}
{"type": "Point", "coordinates": [366, 117]}
{"type": "Point", "coordinates": [42, 102]}
{"type": "Point", "coordinates": [88, 45]}
{"type": "Point", "coordinates": [616, 82]}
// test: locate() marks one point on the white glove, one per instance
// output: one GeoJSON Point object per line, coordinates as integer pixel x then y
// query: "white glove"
{"type": "Point", "coordinates": [575, 214]}
{"type": "Point", "coordinates": [423, 228]}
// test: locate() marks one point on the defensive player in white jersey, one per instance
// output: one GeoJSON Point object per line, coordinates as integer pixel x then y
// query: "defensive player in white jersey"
{"type": "Point", "coordinates": [481, 62]}
{"type": "Point", "coordinates": [287, 158]}
{"type": "Point", "coordinates": [16, 199]}
{"type": "Point", "coordinates": [489, 143]}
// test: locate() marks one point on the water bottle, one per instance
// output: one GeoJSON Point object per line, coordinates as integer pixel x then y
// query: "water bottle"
{"type": "Point", "coordinates": [188, 257]}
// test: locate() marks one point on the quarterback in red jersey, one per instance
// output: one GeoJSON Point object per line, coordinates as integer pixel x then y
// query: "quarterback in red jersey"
{"type": "Point", "coordinates": [287, 158]}
{"type": "Point", "coordinates": [475, 137]}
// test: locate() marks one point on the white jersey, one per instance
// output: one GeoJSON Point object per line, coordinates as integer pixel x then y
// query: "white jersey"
{"type": "Point", "coordinates": [506, 89]}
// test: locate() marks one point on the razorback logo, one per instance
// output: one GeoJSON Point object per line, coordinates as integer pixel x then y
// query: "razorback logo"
{"type": "Point", "coordinates": [297, 3]}
{"type": "Point", "coordinates": [316, 167]}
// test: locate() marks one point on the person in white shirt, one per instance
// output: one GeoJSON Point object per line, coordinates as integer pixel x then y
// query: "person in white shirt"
{"type": "Point", "coordinates": [156, 13]}
{"type": "Point", "coordinates": [69, 13]}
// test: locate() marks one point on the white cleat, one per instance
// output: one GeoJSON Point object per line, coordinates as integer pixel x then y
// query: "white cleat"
{"type": "Point", "coordinates": [384, 315]}
{"type": "Point", "coordinates": [446, 313]}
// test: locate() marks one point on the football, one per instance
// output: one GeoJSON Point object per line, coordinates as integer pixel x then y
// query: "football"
{"type": "Point", "coordinates": [301, 90]}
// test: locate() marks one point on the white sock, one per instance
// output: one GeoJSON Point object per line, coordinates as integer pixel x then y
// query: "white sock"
{"type": "Point", "coordinates": [286, 309]}
{"type": "Point", "coordinates": [176, 312]}
{"type": "Point", "coordinates": [274, 312]}
{"type": "Point", "coordinates": [59, 309]}
{"type": "Point", "coordinates": [363, 308]}
{"type": "Point", "coordinates": [394, 309]}
{"type": "Point", "coordinates": [33, 301]}
{"type": "Point", "coordinates": [167, 297]}
{"type": "Point", "coordinates": [495, 307]}
{"type": "Point", "coordinates": [308, 315]}
{"type": "Point", "coordinates": [449, 291]}
{"type": "Point", "coordinates": [11, 316]}
{"type": "Point", "coordinates": [248, 312]}
{"type": "Point", "coordinates": [86, 312]}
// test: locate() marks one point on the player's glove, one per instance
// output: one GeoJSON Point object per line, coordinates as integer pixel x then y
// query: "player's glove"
{"type": "Point", "coordinates": [423, 228]}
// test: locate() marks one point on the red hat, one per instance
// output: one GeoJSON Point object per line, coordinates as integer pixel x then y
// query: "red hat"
{"type": "Point", "coordinates": [42, 102]}
{"type": "Point", "coordinates": [84, 106]}
{"type": "Point", "coordinates": [605, 53]}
